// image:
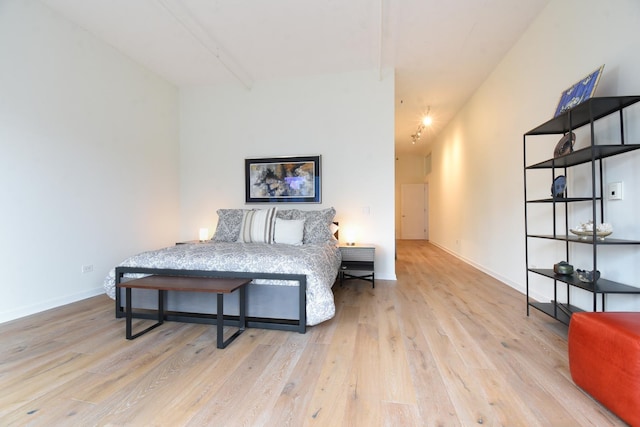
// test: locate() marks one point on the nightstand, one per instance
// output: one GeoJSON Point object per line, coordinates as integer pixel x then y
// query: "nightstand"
{"type": "Point", "coordinates": [358, 258]}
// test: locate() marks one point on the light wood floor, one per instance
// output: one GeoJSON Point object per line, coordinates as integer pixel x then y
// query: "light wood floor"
{"type": "Point", "coordinates": [445, 345]}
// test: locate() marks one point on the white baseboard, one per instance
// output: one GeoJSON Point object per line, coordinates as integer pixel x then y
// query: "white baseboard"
{"type": "Point", "coordinates": [47, 305]}
{"type": "Point", "coordinates": [517, 286]}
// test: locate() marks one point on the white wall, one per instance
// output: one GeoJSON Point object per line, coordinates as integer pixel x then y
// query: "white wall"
{"type": "Point", "coordinates": [347, 118]}
{"type": "Point", "coordinates": [477, 181]}
{"type": "Point", "coordinates": [88, 160]}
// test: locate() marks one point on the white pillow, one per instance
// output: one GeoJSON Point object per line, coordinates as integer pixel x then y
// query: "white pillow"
{"type": "Point", "coordinates": [289, 231]}
{"type": "Point", "coordinates": [258, 226]}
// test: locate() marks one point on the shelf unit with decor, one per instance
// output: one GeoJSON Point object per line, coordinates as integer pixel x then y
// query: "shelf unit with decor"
{"type": "Point", "coordinates": [586, 115]}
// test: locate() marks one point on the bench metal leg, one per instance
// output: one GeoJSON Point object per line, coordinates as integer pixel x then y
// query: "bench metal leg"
{"type": "Point", "coordinates": [242, 323]}
{"type": "Point", "coordinates": [129, 315]}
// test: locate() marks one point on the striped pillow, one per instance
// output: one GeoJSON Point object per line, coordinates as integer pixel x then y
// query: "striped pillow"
{"type": "Point", "coordinates": [258, 226]}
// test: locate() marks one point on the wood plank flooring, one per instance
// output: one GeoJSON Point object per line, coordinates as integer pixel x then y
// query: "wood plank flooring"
{"type": "Point", "coordinates": [444, 345]}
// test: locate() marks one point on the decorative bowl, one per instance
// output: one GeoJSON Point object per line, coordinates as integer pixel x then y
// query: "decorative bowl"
{"type": "Point", "coordinates": [585, 235]}
{"type": "Point", "coordinates": [588, 276]}
{"type": "Point", "coordinates": [563, 268]}
{"type": "Point", "coordinates": [585, 230]}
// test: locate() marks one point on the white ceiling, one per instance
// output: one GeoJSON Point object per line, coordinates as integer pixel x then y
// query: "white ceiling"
{"type": "Point", "coordinates": [441, 50]}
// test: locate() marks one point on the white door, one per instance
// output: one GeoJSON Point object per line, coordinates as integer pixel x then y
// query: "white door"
{"type": "Point", "coordinates": [414, 223]}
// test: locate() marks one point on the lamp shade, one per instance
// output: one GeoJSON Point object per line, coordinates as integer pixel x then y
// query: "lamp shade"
{"type": "Point", "coordinates": [349, 235]}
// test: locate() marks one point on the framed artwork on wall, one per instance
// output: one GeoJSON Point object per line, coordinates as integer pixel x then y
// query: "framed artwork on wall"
{"type": "Point", "coordinates": [283, 180]}
{"type": "Point", "coordinates": [579, 92]}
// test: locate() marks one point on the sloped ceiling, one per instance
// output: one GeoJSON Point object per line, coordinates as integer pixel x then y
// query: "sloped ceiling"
{"type": "Point", "coordinates": [441, 50]}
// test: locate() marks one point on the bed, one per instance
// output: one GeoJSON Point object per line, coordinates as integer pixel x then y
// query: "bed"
{"type": "Point", "coordinates": [291, 255]}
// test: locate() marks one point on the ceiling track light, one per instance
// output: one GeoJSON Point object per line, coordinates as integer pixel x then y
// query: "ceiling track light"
{"type": "Point", "coordinates": [422, 126]}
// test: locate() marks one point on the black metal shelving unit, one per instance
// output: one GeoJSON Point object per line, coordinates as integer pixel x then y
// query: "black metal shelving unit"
{"type": "Point", "coordinates": [585, 114]}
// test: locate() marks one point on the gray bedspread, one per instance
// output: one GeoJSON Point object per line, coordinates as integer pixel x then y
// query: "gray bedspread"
{"type": "Point", "coordinates": [320, 263]}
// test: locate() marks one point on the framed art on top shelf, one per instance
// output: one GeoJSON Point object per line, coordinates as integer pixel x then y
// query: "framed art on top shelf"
{"type": "Point", "coordinates": [283, 180]}
{"type": "Point", "coordinates": [579, 92]}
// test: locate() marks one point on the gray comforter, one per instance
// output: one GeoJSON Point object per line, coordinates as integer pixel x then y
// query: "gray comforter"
{"type": "Point", "coordinates": [320, 263]}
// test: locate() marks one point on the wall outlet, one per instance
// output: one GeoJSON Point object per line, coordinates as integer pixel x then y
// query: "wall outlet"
{"type": "Point", "coordinates": [87, 268]}
{"type": "Point", "coordinates": [614, 191]}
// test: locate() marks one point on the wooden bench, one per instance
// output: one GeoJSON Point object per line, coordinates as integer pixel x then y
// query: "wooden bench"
{"type": "Point", "coordinates": [162, 284]}
{"type": "Point", "coordinates": [298, 325]}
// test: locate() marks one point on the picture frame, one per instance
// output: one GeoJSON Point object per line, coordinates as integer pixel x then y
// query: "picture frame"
{"type": "Point", "coordinates": [579, 92]}
{"type": "Point", "coordinates": [292, 179]}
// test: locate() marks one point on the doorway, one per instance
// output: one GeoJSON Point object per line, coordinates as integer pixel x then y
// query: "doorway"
{"type": "Point", "coordinates": [414, 211]}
